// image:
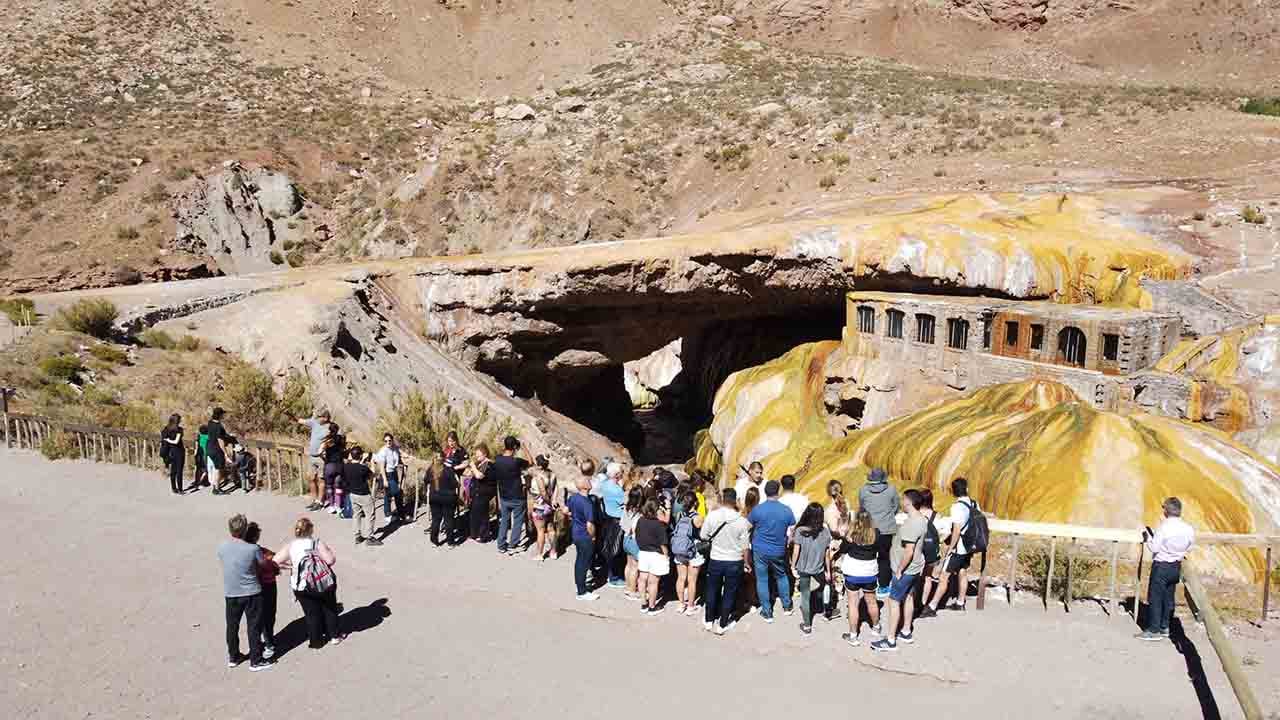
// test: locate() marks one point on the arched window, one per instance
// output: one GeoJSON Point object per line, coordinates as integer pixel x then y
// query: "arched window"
{"type": "Point", "coordinates": [1071, 346]}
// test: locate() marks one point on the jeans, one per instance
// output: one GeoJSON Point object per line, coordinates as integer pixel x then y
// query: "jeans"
{"type": "Point", "coordinates": [884, 542]}
{"type": "Point", "coordinates": [176, 464]}
{"type": "Point", "coordinates": [321, 613]}
{"type": "Point", "coordinates": [582, 562]}
{"type": "Point", "coordinates": [363, 514]}
{"type": "Point", "coordinates": [778, 565]}
{"type": "Point", "coordinates": [511, 517]}
{"type": "Point", "coordinates": [480, 515]}
{"type": "Point", "coordinates": [251, 608]}
{"type": "Point", "coordinates": [393, 491]}
{"type": "Point", "coordinates": [442, 514]}
{"type": "Point", "coordinates": [270, 594]}
{"type": "Point", "coordinates": [723, 578]}
{"type": "Point", "coordinates": [1163, 581]}
{"type": "Point", "coordinates": [806, 585]}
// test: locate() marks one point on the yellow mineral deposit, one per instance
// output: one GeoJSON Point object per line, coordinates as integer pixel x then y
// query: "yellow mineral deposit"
{"type": "Point", "coordinates": [1031, 450]}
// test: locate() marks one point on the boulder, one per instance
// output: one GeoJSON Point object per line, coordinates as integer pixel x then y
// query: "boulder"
{"type": "Point", "coordinates": [521, 112]}
{"type": "Point", "coordinates": [234, 217]}
{"type": "Point", "coordinates": [721, 21]}
{"type": "Point", "coordinates": [1009, 13]}
{"type": "Point", "coordinates": [767, 109]}
{"type": "Point", "coordinates": [571, 104]}
{"type": "Point", "coordinates": [699, 73]}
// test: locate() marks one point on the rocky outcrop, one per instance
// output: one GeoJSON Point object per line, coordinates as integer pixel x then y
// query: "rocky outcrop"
{"type": "Point", "coordinates": [1009, 13]}
{"type": "Point", "coordinates": [238, 217]}
{"type": "Point", "coordinates": [648, 376]}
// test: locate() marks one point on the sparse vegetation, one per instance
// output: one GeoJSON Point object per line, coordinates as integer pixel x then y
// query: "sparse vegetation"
{"type": "Point", "coordinates": [91, 316]}
{"type": "Point", "coordinates": [157, 339]}
{"type": "Point", "coordinates": [127, 232]}
{"type": "Point", "coordinates": [21, 311]}
{"type": "Point", "coordinates": [1262, 106]}
{"type": "Point", "coordinates": [249, 396]}
{"type": "Point", "coordinates": [420, 423]}
{"type": "Point", "coordinates": [59, 445]}
{"type": "Point", "coordinates": [1086, 571]}
{"type": "Point", "coordinates": [109, 354]}
{"type": "Point", "coordinates": [1253, 215]}
{"type": "Point", "coordinates": [62, 368]}
{"type": "Point", "coordinates": [827, 182]}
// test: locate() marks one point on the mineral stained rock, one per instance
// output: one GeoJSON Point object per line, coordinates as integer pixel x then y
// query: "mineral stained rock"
{"type": "Point", "coordinates": [1031, 451]}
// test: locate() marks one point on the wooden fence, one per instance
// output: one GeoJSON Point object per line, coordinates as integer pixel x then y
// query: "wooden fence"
{"type": "Point", "coordinates": [282, 467]}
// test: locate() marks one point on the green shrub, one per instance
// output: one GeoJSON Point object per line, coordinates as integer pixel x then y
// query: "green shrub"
{"type": "Point", "coordinates": [62, 368]}
{"type": "Point", "coordinates": [157, 339]}
{"type": "Point", "coordinates": [135, 416]}
{"type": "Point", "coordinates": [276, 258]}
{"type": "Point", "coordinates": [1262, 106]}
{"type": "Point", "coordinates": [296, 401]}
{"type": "Point", "coordinates": [1253, 215]}
{"type": "Point", "coordinates": [250, 399]}
{"type": "Point", "coordinates": [91, 316]}
{"type": "Point", "coordinates": [1084, 572]}
{"type": "Point", "coordinates": [188, 343]}
{"type": "Point", "coordinates": [421, 423]}
{"type": "Point", "coordinates": [127, 233]}
{"type": "Point", "coordinates": [21, 311]}
{"type": "Point", "coordinates": [59, 445]}
{"type": "Point", "coordinates": [109, 354]}
{"type": "Point", "coordinates": [827, 182]}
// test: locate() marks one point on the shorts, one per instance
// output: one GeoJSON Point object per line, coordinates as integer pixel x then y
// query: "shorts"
{"type": "Point", "coordinates": [865, 584]}
{"type": "Point", "coordinates": [316, 463]}
{"type": "Point", "coordinates": [901, 586]}
{"type": "Point", "coordinates": [215, 475]}
{"type": "Point", "coordinates": [957, 562]}
{"type": "Point", "coordinates": [690, 560]}
{"type": "Point", "coordinates": [654, 563]}
{"type": "Point", "coordinates": [630, 547]}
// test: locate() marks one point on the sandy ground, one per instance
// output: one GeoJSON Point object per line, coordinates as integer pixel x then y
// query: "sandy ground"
{"type": "Point", "coordinates": [115, 611]}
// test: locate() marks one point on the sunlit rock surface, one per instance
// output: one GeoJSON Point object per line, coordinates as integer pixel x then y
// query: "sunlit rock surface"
{"type": "Point", "coordinates": [1031, 450]}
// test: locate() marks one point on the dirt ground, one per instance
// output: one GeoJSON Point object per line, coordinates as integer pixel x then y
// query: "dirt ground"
{"type": "Point", "coordinates": [115, 612]}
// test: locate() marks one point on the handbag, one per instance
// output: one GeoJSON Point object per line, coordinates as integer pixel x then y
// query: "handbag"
{"type": "Point", "coordinates": [702, 546]}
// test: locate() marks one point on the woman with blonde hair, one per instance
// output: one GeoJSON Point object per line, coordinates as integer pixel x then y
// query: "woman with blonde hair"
{"type": "Point", "coordinates": [748, 596]}
{"type": "Point", "coordinates": [312, 559]}
{"type": "Point", "coordinates": [838, 518]}
{"type": "Point", "coordinates": [542, 489]}
{"type": "Point", "coordinates": [859, 566]}
{"type": "Point", "coordinates": [483, 491]}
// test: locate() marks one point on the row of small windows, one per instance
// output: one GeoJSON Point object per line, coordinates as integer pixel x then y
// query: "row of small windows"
{"type": "Point", "coordinates": [1071, 340]}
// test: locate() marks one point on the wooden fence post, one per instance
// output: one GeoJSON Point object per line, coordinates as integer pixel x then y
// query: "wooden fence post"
{"type": "Point", "coordinates": [1071, 556]}
{"type": "Point", "coordinates": [1137, 583]}
{"type": "Point", "coordinates": [1221, 644]}
{"type": "Point", "coordinates": [982, 583]}
{"type": "Point", "coordinates": [1012, 584]}
{"type": "Point", "coordinates": [1048, 580]}
{"type": "Point", "coordinates": [1266, 587]}
{"type": "Point", "coordinates": [1115, 569]}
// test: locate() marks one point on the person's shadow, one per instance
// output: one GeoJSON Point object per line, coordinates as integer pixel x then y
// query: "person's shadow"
{"type": "Point", "coordinates": [353, 621]}
{"type": "Point", "coordinates": [1195, 670]}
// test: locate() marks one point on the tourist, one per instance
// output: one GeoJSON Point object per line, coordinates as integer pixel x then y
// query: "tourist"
{"type": "Point", "coordinates": [1169, 544]}
{"type": "Point", "coordinates": [200, 476]}
{"type": "Point", "coordinates": [513, 495]}
{"type": "Point", "coordinates": [838, 517]}
{"type": "Point", "coordinates": [542, 488]}
{"type": "Point", "coordinates": [483, 486]}
{"type": "Point", "coordinates": [173, 453]}
{"type": "Point", "coordinates": [797, 502]}
{"type": "Point", "coordinates": [880, 499]}
{"type": "Point", "coordinates": [334, 450]}
{"type": "Point", "coordinates": [243, 593]}
{"type": "Point", "coordinates": [931, 549]}
{"type": "Point", "coordinates": [388, 462]}
{"type": "Point", "coordinates": [245, 466]}
{"type": "Point", "coordinates": [267, 572]}
{"type": "Point", "coordinates": [907, 562]}
{"type": "Point", "coordinates": [579, 509]}
{"type": "Point", "coordinates": [612, 500]}
{"type": "Point", "coordinates": [747, 594]}
{"type": "Point", "coordinates": [810, 560]}
{"type": "Point", "coordinates": [214, 449]}
{"type": "Point", "coordinates": [699, 481]}
{"type": "Point", "coordinates": [443, 495]}
{"type": "Point", "coordinates": [318, 427]}
{"type": "Point", "coordinates": [730, 536]}
{"type": "Point", "coordinates": [771, 523]}
{"type": "Point", "coordinates": [957, 556]}
{"type": "Point", "coordinates": [319, 607]}
{"type": "Point", "coordinates": [859, 565]}
{"type": "Point", "coordinates": [754, 478]}
{"type": "Point", "coordinates": [655, 564]}
{"type": "Point", "coordinates": [688, 561]}
{"type": "Point", "coordinates": [636, 498]}
{"type": "Point", "coordinates": [355, 480]}
{"type": "Point", "coordinates": [454, 458]}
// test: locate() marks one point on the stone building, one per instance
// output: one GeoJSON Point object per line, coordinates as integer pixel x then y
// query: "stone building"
{"type": "Point", "coordinates": [970, 342]}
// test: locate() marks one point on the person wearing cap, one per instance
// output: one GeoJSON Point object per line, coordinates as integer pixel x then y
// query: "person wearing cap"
{"type": "Point", "coordinates": [771, 523]}
{"type": "Point", "coordinates": [318, 427]}
{"type": "Point", "coordinates": [1169, 544]}
{"type": "Point", "coordinates": [880, 500]}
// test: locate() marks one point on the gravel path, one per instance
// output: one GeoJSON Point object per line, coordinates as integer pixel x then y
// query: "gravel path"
{"type": "Point", "coordinates": [114, 610]}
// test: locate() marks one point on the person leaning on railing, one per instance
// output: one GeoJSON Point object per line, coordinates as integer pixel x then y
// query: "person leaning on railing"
{"type": "Point", "coordinates": [1169, 544]}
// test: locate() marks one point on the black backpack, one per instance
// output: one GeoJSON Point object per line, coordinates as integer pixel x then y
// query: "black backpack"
{"type": "Point", "coordinates": [975, 532]}
{"type": "Point", "coordinates": [931, 545]}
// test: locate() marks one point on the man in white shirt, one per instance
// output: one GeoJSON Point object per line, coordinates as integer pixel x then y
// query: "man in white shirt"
{"type": "Point", "coordinates": [1168, 545]}
{"type": "Point", "coordinates": [753, 479]}
{"type": "Point", "coordinates": [388, 462]}
{"type": "Point", "coordinates": [792, 499]}
{"type": "Point", "coordinates": [730, 536]}
{"type": "Point", "coordinates": [956, 556]}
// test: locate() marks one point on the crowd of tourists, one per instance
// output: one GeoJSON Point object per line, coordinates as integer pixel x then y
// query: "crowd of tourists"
{"type": "Point", "coordinates": [667, 544]}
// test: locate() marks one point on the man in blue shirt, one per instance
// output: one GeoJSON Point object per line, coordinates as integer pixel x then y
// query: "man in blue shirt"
{"type": "Point", "coordinates": [612, 499]}
{"type": "Point", "coordinates": [771, 522]}
{"type": "Point", "coordinates": [583, 514]}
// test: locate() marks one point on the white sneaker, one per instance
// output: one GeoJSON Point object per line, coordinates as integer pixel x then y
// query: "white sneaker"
{"type": "Point", "coordinates": [588, 597]}
{"type": "Point", "coordinates": [720, 630]}
{"type": "Point", "coordinates": [707, 625]}
{"type": "Point", "coordinates": [333, 510]}
{"type": "Point", "coordinates": [268, 652]}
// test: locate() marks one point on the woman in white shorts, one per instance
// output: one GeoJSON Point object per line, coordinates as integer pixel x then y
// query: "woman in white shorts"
{"type": "Point", "coordinates": [651, 536]}
{"type": "Point", "coordinates": [688, 561]}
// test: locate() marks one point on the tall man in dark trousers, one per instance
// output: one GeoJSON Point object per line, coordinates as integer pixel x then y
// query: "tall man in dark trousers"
{"type": "Point", "coordinates": [1169, 544]}
{"type": "Point", "coordinates": [243, 593]}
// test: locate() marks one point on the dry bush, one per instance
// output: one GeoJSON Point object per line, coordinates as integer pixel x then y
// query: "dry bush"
{"type": "Point", "coordinates": [21, 311]}
{"type": "Point", "coordinates": [59, 445]}
{"type": "Point", "coordinates": [421, 423]}
{"type": "Point", "coordinates": [1084, 572]}
{"type": "Point", "coordinates": [91, 316]}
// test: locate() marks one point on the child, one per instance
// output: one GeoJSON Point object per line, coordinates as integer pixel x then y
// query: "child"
{"type": "Point", "coordinates": [859, 567]}
{"type": "Point", "coordinates": [267, 572]}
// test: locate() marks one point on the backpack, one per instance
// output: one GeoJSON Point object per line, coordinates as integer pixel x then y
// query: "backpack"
{"type": "Point", "coordinates": [930, 545]}
{"type": "Point", "coordinates": [682, 536]}
{"type": "Point", "coordinates": [975, 532]}
{"type": "Point", "coordinates": [314, 574]}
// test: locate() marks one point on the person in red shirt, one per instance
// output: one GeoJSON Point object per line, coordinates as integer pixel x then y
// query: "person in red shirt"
{"type": "Point", "coordinates": [267, 572]}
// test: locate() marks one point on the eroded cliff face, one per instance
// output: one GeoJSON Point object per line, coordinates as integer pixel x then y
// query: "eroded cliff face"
{"type": "Point", "coordinates": [1031, 450]}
